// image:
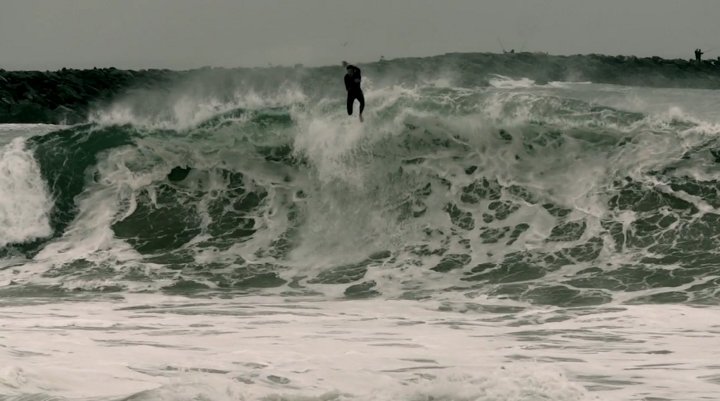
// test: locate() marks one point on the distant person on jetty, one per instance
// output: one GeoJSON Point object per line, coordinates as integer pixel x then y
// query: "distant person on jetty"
{"type": "Point", "coordinates": [352, 86]}
{"type": "Point", "coordinates": [698, 55]}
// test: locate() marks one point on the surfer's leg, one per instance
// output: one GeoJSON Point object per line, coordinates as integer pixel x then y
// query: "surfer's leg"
{"type": "Point", "coordinates": [350, 100]}
{"type": "Point", "coordinates": [361, 99]}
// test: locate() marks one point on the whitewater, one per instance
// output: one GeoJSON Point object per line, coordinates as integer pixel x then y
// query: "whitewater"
{"type": "Point", "coordinates": [238, 238]}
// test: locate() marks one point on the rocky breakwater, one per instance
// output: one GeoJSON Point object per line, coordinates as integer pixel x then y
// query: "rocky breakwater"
{"type": "Point", "coordinates": [66, 96]}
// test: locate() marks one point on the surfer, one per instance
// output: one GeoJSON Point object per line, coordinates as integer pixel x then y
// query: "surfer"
{"type": "Point", "coordinates": [352, 86]}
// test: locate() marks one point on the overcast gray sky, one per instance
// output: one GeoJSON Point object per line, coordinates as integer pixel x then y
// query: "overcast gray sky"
{"type": "Point", "coordinates": [179, 34]}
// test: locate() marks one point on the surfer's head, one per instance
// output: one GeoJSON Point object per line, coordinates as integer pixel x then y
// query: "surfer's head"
{"type": "Point", "coordinates": [345, 64]}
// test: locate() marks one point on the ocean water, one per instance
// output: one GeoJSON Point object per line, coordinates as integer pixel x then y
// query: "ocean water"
{"type": "Point", "coordinates": [509, 240]}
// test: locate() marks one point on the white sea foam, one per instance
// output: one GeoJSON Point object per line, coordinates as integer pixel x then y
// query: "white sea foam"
{"type": "Point", "coordinates": [24, 200]}
{"type": "Point", "coordinates": [503, 82]}
{"type": "Point", "coordinates": [186, 109]}
{"type": "Point", "coordinates": [154, 347]}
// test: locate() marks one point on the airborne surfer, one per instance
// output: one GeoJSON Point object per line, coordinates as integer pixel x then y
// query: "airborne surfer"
{"type": "Point", "coordinates": [352, 86]}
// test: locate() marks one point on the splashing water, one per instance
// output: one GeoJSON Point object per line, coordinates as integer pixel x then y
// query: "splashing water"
{"type": "Point", "coordinates": [516, 241]}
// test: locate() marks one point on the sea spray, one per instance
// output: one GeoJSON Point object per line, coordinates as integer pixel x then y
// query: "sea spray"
{"type": "Point", "coordinates": [24, 199]}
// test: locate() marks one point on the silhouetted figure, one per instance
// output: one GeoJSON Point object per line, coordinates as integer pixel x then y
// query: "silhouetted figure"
{"type": "Point", "coordinates": [352, 85]}
{"type": "Point", "coordinates": [698, 55]}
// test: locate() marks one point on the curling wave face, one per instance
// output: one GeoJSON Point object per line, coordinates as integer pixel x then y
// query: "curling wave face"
{"type": "Point", "coordinates": [559, 194]}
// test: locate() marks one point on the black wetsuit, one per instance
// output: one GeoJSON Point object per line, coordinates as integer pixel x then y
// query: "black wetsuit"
{"type": "Point", "coordinates": [352, 85]}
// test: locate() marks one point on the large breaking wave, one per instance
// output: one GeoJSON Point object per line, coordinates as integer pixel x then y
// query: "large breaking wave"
{"type": "Point", "coordinates": [535, 193]}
